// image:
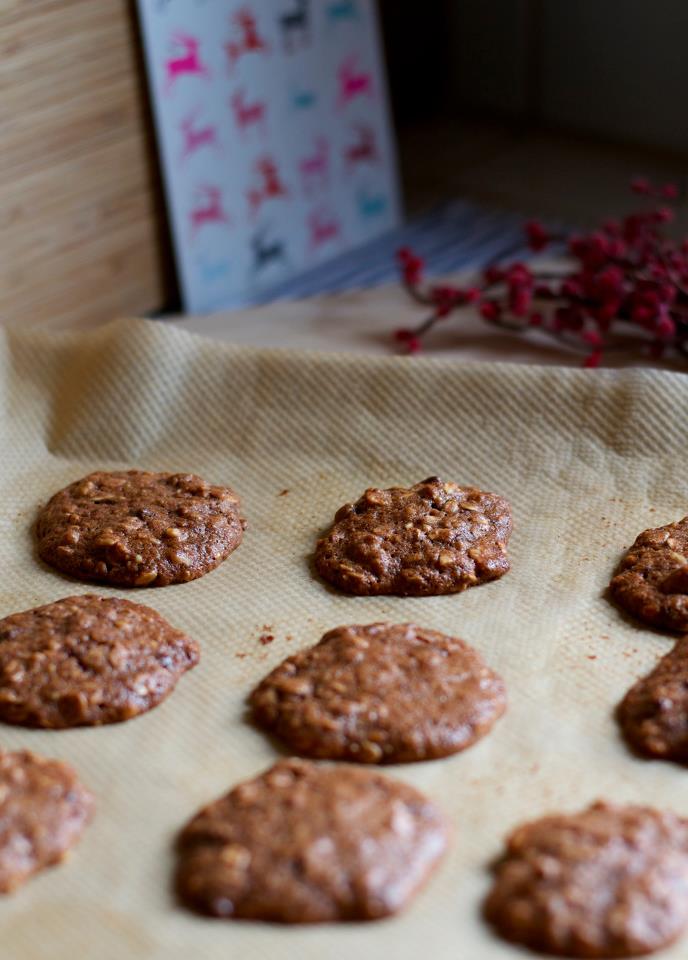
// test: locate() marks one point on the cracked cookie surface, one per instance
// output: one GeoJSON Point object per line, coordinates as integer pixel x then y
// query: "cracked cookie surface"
{"type": "Point", "coordinates": [43, 812]}
{"type": "Point", "coordinates": [651, 582]}
{"type": "Point", "coordinates": [431, 538]}
{"type": "Point", "coordinates": [307, 843]}
{"type": "Point", "coordinates": [380, 693]}
{"type": "Point", "coordinates": [139, 529]}
{"type": "Point", "coordinates": [88, 660]}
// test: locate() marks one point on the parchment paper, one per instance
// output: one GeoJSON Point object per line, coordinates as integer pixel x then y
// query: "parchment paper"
{"type": "Point", "coordinates": [587, 458]}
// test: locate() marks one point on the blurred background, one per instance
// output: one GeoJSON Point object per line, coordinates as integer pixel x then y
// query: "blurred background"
{"type": "Point", "coordinates": [543, 107]}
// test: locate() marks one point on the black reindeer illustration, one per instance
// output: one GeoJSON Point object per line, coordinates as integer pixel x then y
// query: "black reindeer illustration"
{"type": "Point", "coordinates": [266, 251]}
{"type": "Point", "coordinates": [295, 25]}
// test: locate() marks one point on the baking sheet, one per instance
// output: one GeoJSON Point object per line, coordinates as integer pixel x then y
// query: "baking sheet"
{"type": "Point", "coordinates": [587, 458]}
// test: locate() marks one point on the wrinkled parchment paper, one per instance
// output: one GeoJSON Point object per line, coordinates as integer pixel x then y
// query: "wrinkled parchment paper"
{"type": "Point", "coordinates": [587, 458]}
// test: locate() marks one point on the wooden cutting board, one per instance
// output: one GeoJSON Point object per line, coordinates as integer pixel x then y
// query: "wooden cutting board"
{"type": "Point", "coordinates": [82, 228]}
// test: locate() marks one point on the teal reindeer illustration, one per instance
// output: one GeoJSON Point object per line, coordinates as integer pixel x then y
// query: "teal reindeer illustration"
{"type": "Point", "coordinates": [212, 271]}
{"type": "Point", "coordinates": [339, 11]}
{"type": "Point", "coordinates": [371, 205]}
{"type": "Point", "coordinates": [303, 98]}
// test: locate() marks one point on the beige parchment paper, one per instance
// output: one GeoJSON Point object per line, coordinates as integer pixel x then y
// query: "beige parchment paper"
{"type": "Point", "coordinates": [587, 458]}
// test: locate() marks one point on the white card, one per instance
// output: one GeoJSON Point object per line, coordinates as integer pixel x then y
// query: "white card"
{"type": "Point", "coordinates": [274, 131]}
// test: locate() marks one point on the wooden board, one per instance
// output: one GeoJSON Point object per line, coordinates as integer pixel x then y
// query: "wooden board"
{"type": "Point", "coordinates": [82, 230]}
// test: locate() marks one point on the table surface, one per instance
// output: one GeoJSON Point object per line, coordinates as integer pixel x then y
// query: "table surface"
{"type": "Point", "coordinates": [364, 321]}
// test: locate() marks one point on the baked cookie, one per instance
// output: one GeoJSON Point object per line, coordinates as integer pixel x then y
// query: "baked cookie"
{"type": "Point", "coordinates": [88, 660]}
{"type": "Point", "coordinates": [651, 582]}
{"type": "Point", "coordinates": [43, 812]}
{"type": "Point", "coordinates": [653, 715]}
{"type": "Point", "coordinates": [303, 843]}
{"type": "Point", "coordinates": [419, 541]}
{"type": "Point", "coordinates": [138, 529]}
{"type": "Point", "coordinates": [611, 881]}
{"type": "Point", "coordinates": [382, 693]}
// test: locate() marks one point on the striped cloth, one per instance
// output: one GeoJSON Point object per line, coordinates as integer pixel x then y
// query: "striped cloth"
{"type": "Point", "coordinates": [454, 236]}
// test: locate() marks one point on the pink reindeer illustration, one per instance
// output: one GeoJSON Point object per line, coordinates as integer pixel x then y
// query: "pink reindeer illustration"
{"type": "Point", "coordinates": [352, 82]}
{"type": "Point", "coordinates": [363, 149]}
{"type": "Point", "coordinates": [207, 208]}
{"type": "Point", "coordinates": [246, 38]}
{"type": "Point", "coordinates": [315, 167]}
{"type": "Point", "coordinates": [196, 136]}
{"type": "Point", "coordinates": [270, 184]}
{"type": "Point", "coordinates": [185, 62]}
{"type": "Point", "coordinates": [247, 114]}
{"type": "Point", "coordinates": [323, 227]}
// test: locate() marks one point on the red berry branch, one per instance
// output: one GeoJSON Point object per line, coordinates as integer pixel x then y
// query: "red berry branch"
{"type": "Point", "coordinates": [626, 276]}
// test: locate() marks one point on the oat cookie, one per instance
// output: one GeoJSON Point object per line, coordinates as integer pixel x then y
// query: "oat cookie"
{"type": "Point", "coordinates": [651, 581]}
{"type": "Point", "coordinates": [382, 693]}
{"type": "Point", "coordinates": [611, 881]}
{"type": "Point", "coordinates": [139, 529]}
{"type": "Point", "coordinates": [653, 715]}
{"type": "Point", "coordinates": [43, 812]}
{"type": "Point", "coordinates": [305, 843]}
{"type": "Point", "coordinates": [88, 660]}
{"type": "Point", "coordinates": [427, 539]}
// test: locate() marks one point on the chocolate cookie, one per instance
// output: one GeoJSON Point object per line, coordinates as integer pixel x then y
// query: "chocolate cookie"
{"type": "Point", "coordinates": [651, 581]}
{"type": "Point", "coordinates": [139, 529]}
{"type": "Point", "coordinates": [382, 693]}
{"type": "Point", "coordinates": [43, 812]}
{"type": "Point", "coordinates": [653, 715]}
{"type": "Point", "coordinates": [303, 843]}
{"type": "Point", "coordinates": [88, 660]}
{"type": "Point", "coordinates": [608, 882]}
{"type": "Point", "coordinates": [428, 539]}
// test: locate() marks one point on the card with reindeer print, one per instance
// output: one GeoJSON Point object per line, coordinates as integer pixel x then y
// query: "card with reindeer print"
{"type": "Point", "coordinates": [275, 138]}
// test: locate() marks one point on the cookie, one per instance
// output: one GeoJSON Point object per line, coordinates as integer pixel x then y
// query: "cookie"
{"type": "Point", "coordinates": [305, 843]}
{"type": "Point", "coordinates": [419, 541]}
{"type": "Point", "coordinates": [651, 581]}
{"type": "Point", "coordinates": [88, 660]}
{"type": "Point", "coordinates": [611, 881]}
{"type": "Point", "coordinates": [138, 529]}
{"type": "Point", "coordinates": [43, 812]}
{"type": "Point", "coordinates": [653, 715]}
{"type": "Point", "coordinates": [383, 693]}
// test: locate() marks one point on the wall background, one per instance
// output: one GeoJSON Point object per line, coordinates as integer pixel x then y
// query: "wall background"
{"type": "Point", "coordinates": [540, 105]}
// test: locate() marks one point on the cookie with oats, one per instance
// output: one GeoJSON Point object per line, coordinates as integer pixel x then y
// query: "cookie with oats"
{"type": "Point", "coordinates": [381, 693]}
{"type": "Point", "coordinates": [87, 660]}
{"type": "Point", "coordinates": [653, 715]}
{"type": "Point", "coordinates": [651, 582]}
{"type": "Point", "coordinates": [610, 881]}
{"type": "Point", "coordinates": [431, 538]}
{"type": "Point", "coordinates": [137, 529]}
{"type": "Point", "coordinates": [308, 843]}
{"type": "Point", "coordinates": [43, 812]}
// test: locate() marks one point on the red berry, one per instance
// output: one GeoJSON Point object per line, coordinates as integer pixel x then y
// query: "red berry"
{"type": "Point", "coordinates": [641, 185]}
{"type": "Point", "coordinates": [538, 237]}
{"type": "Point", "coordinates": [670, 191]}
{"type": "Point", "coordinates": [490, 309]}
